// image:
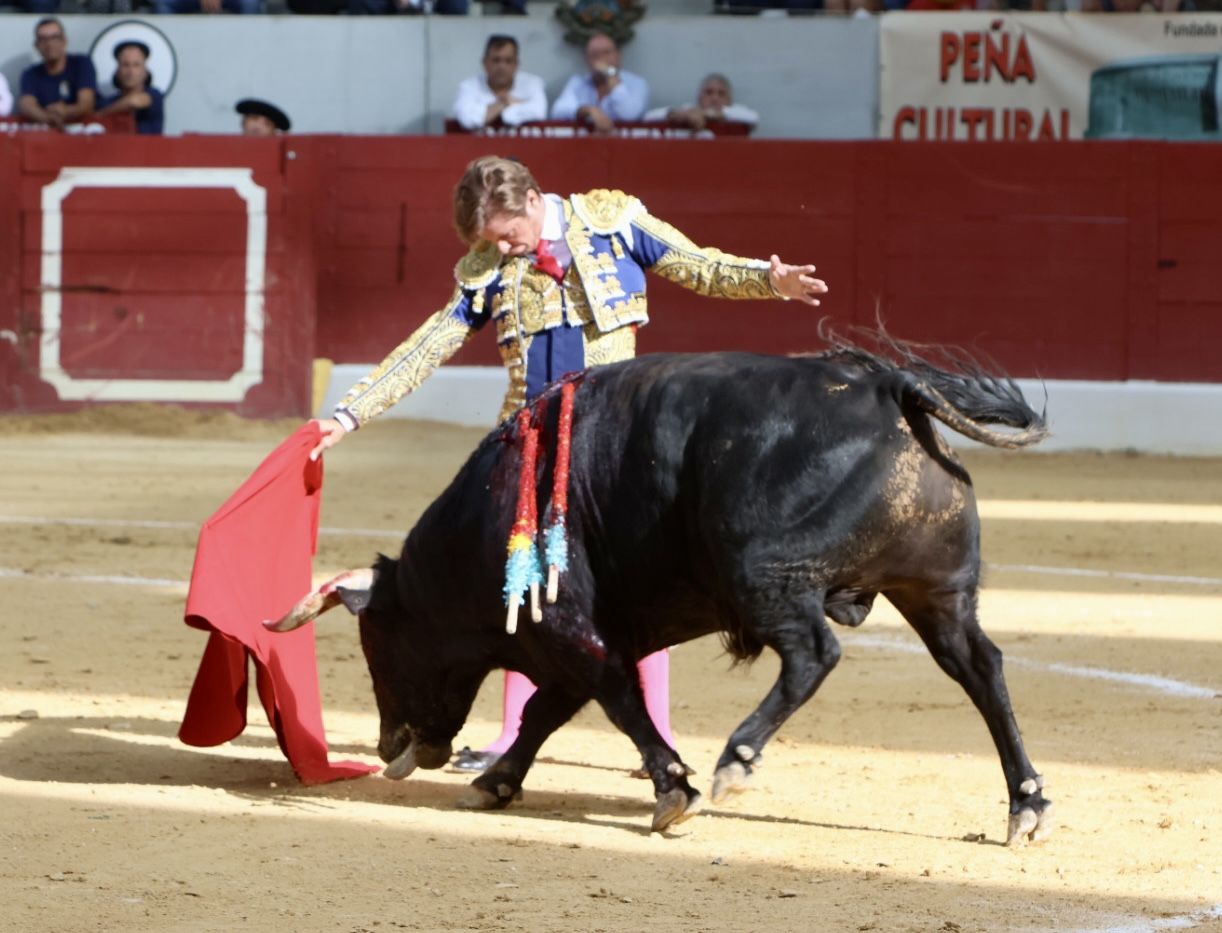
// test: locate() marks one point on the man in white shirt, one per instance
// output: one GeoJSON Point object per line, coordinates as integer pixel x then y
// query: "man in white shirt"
{"type": "Point", "coordinates": [502, 94]}
{"type": "Point", "coordinates": [714, 102]}
{"type": "Point", "coordinates": [606, 94]}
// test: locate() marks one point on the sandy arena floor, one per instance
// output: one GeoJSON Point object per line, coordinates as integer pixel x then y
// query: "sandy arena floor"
{"type": "Point", "coordinates": [880, 807]}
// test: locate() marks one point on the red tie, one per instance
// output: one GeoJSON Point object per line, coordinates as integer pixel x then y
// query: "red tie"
{"type": "Point", "coordinates": [546, 262]}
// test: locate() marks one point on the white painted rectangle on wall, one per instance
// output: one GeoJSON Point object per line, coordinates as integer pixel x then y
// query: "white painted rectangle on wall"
{"type": "Point", "coordinates": [51, 369]}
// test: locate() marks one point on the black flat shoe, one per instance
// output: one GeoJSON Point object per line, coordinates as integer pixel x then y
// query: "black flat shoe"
{"type": "Point", "coordinates": [471, 762]}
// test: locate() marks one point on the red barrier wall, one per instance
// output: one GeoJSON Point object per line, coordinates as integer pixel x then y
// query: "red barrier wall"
{"type": "Point", "coordinates": [1083, 260]}
{"type": "Point", "coordinates": [153, 281]}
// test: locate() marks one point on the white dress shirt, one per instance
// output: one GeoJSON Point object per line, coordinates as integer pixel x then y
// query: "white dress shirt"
{"type": "Point", "coordinates": [475, 97]}
{"type": "Point", "coordinates": [627, 102]}
{"type": "Point", "coordinates": [735, 112]}
{"type": "Point", "coordinates": [6, 97]}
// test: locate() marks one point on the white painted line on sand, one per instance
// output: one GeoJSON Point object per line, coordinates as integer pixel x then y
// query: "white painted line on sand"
{"type": "Point", "coordinates": [1164, 685]}
{"type": "Point", "coordinates": [190, 526]}
{"type": "Point", "coordinates": [13, 573]}
{"type": "Point", "coordinates": [1105, 574]}
{"type": "Point", "coordinates": [93, 522]}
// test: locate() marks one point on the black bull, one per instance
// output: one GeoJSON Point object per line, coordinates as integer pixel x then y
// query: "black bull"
{"type": "Point", "coordinates": [753, 496]}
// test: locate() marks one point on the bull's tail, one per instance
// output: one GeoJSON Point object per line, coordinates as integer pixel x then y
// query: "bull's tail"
{"type": "Point", "coordinates": [960, 392]}
{"type": "Point", "coordinates": [968, 406]}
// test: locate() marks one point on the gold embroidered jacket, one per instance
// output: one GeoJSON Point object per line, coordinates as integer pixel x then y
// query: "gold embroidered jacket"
{"type": "Point", "coordinates": [613, 241]}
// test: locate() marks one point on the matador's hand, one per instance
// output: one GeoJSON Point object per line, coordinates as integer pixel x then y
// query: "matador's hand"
{"type": "Point", "coordinates": [796, 282]}
{"type": "Point", "coordinates": [332, 433]}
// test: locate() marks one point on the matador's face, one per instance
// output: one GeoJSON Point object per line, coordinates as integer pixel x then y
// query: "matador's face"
{"type": "Point", "coordinates": [517, 234]}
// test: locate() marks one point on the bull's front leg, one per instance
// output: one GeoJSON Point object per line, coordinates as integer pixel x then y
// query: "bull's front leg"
{"type": "Point", "coordinates": [547, 710]}
{"type": "Point", "coordinates": [622, 699]}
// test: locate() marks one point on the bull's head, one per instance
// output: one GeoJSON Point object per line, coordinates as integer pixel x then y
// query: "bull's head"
{"type": "Point", "coordinates": [422, 702]}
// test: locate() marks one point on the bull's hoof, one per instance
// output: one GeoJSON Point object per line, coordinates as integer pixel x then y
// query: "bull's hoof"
{"type": "Point", "coordinates": [674, 769]}
{"type": "Point", "coordinates": [673, 808]}
{"type": "Point", "coordinates": [1029, 825]}
{"type": "Point", "coordinates": [733, 778]}
{"type": "Point", "coordinates": [479, 798]}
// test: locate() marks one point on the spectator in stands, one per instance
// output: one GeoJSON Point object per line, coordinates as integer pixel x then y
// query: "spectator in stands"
{"type": "Point", "coordinates": [411, 7]}
{"type": "Point", "coordinates": [250, 7]}
{"type": "Point", "coordinates": [135, 91]}
{"type": "Point", "coordinates": [63, 87]}
{"type": "Point", "coordinates": [502, 94]}
{"type": "Point", "coordinates": [259, 118]}
{"type": "Point", "coordinates": [714, 101]}
{"type": "Point", "coordinates": [6, 97]}
{"type": "Point", "coordinates": [606, 93]}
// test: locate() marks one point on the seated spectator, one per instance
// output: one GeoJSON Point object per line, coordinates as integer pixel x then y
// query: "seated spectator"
{"type": "Point", "coordinates": [502, 94]}
{"type": "Point", "coordinates": [411, 7]}
{"type": "Point", "coordinates": [715, 101]}
{"type": "Point", "coordinates": [135, 91]}
{"type": "Point", "coordinates": [250, 7]}
{"type": "Point", "coordinates": [6, 97]}
{"type": "Point", "coordinates": [63, 87]}
{"type": "Point", "coordinates": [606, 93]}
{"type": "Point", "coordinates": [259, 118]}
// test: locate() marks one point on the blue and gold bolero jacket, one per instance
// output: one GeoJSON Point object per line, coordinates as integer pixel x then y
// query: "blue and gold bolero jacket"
{"type": "Point", "coordinates": [614, 240]}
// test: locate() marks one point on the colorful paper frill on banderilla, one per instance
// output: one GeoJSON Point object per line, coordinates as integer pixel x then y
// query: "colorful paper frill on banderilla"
{"type": "Point", "coordinates": [523, 571]}
{"type": "Point", "coordinates": [556, 539]}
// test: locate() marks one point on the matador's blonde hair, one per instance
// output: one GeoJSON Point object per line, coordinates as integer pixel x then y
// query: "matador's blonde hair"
{"type": "Point", "coordinates": [490, 186]}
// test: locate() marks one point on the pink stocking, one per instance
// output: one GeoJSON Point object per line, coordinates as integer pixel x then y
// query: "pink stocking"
{"type": "Point", "coordinates": [518, 689]}
{"type": "Point", "coordinates": [654, 671]}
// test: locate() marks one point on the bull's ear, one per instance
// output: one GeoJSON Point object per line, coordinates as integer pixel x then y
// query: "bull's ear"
{"type": "Point", "coordinates": [354, 600]}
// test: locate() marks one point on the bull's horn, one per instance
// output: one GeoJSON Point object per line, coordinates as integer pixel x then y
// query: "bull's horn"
{"type": "Point", "coordinates": [403, 765]}
{"type": "Point", "coordinates": [327, 596]}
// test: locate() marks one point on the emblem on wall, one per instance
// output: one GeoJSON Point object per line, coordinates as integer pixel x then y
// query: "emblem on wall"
{"type": "Point", "coordinates": [583, 18]}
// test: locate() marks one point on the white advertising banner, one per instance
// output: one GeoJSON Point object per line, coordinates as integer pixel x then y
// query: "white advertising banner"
{"type": "Point", "coordinates": [1044, 76]}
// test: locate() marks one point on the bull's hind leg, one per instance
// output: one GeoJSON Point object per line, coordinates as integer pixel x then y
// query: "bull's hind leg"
{"type": "Point", "coordinates": [946, 622]}
{"type": "Point", "coordinates": [808, 652]}
{"type": "Point", "coordinates": [621, 697]}
{"type": "Point", "coordinates": [547, 710]}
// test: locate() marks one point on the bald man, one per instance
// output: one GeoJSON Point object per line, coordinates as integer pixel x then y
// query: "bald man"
{"type": "Point", "coordinates": [605, 94]}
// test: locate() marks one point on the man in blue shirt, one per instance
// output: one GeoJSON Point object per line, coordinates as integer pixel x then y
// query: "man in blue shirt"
{"type": "Point", "coordinates": [604, 95]}
{"type": "Point", "coordinates": [61, 89]}
{"type": "Point", "coordinates": [135, 91]}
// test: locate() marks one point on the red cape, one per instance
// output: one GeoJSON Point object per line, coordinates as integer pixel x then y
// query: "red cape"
{"type": "Point", "coordinates": [253, 562]}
